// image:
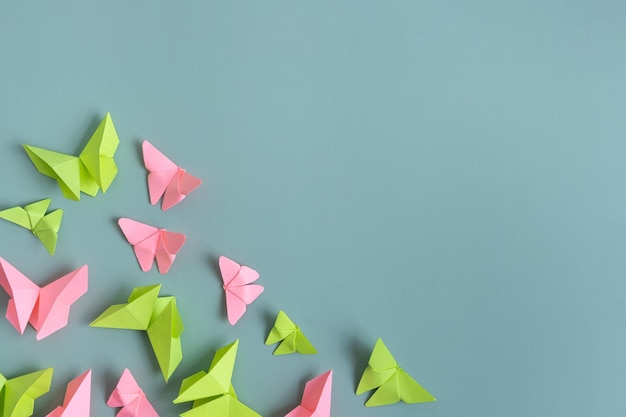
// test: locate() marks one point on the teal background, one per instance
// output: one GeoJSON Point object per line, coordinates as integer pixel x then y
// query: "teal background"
{"type": "Point", "coordinates": [448, 176]}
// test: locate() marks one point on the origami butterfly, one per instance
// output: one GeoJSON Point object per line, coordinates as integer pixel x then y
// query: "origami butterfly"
{"type": "Point", "coordinates": [293, 340]}
{"type": "Point", "coordinates": [150, 243]}
{"type": "Point", "coordinates": [212, 392]}
{"type": "Point", "coordinates": [128, 395]}
{"type": "Point", "coordinates": [392, 382]}
{"type": "Point", "coordinates": [34, 218]}
{"type": "Point", "coordinates": [47, 309]}
{"type": "Point", "coordinates": [158, 316]}
{"type": "Point", "coordinates": [239, 291]}
{"type": "Point", "coordinates": [316, 397]}
{"type": "Point", "coordinates": [92, 170]}
{"type": "Point", "coordinates": [18, 395]}
{"type": "Point", "coordinates": [166, 179]}
{"type": "Point", "coordinates": [77, 401]}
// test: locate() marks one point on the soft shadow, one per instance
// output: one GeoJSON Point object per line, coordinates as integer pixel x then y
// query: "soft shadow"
{"type": "Point", "coordinates": [360, 352]}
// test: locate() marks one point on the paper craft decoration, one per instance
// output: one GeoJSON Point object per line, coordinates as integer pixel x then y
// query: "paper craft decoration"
{"type": "Point", "coordinates": [47, 308]}
{"type": "Point", "coordinates": [391, 382]}
{"type": "Point", "coordinates": [316, 397]}
{"type": "Point", "coordinates": [150, 243]}
{"type": "Point", "coordinates": [34, 218]}
{"type": "Point", "coordinates": [290, 337]}
{"type": "Point", "coordinates": [128, 395]}
{"type": "Point", "coordinates": [159, 316]}
{"type": "Point", "coordinates": [94, 169]}
{"type": "Point", "coordinates": [77, 402]}
{"type": "Point", "coordinates": [166, 179]}
{"type": "Point", "coordinates": [238, 288]}
{"type": "Point", "coordinates": [18, 395]}
{"type": "Point", "coordinates": [212, 392]}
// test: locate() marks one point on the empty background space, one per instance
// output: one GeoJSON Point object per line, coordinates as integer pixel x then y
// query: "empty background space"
{"type": "Point", "coordinates": [447, 176]}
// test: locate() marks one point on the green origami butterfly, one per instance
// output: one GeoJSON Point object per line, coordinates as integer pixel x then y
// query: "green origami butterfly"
{"type": "Point", "coordinates": [92, 170]}
{"type": "Point", "coordinates": [18, 395]}
{"type": "Point", "coordinates": [291, 337]}
{"type": "Point", "coordinates": [392, 383]}
{"type": "Point", "coordinates": [34, 218]}
{"type": "Point", "coordinates": [212, 392]}
{"type": "Point", "coordinates": [158, 316]}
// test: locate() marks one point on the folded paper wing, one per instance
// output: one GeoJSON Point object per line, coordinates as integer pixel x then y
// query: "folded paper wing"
{"type": "Point", "coordinates": [237, 286]}
{"type": "Point", "coordinates": [316, 397]}
{"type": "Point", "coordinates": [94, 169]}
{"type": "Point", "coordinates": [18, 395]}
{"type": "Point", "coordinates": [131, 398]}
{"type": "Point", "coordinates": [391, 382]}
{"type": "Point", "coordinates": [166, 179]}
{"type": "Point", "coordinates": [150, 243]}
{"type": "Point", "coordinates": [291, 337]}
{"type": "Point", "coordinates": [159, 316]}
{"type": "Point", "coordinates": [34, 218]}
{"type": "Point", "coordinates": [212, 392]}
{"type": "Point", "coordinates": [77, 402]}
{"type": "Point", "coordinates": [46, 309]}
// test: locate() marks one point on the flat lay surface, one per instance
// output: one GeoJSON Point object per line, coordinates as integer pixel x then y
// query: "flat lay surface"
{"type": "Point", "coordinates": [447, 177]}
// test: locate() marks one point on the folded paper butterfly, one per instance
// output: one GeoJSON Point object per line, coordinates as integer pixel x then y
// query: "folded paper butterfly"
{"type": "Point", "coordinates": [77, 402]}
{"type": "Point", "coordinates": [150, 243]}
{"type": "Point", "coordinates": [391, 382]}
{"type": "Point", "coordinates": [47, 308]}
{"type": "Point", "coordinates": [159, 316]}
{"type": "Point", "coordinates": [212, 392]}
{"type": "Point", "coordinates": [238, 288]}
{"type": "Point", "coordinates": [128, 395]}
{"type": "Point", "coordinates": [94, 169]}
{"type": "Point", "coordinates": [290, 337]}
{"type": "Point", "coordinates": [34, 218]}
{"type": "Point", "coordinates": [166, 179]}
{"type": "Point", "coordinates": [316, 397]}
{"type": "Point", "coordinates": [18, 395]}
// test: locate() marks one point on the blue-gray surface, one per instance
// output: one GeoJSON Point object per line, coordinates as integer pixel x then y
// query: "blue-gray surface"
{"type": "Point", "coordinates": [448, 176]}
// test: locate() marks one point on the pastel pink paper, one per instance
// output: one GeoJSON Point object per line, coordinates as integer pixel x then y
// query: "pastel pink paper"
{"type": "Point", "coordinates": [128, 395]}
{"type": "Point", "coordinates": [150, 243]}
{"type": "Point", "coordinates": [77, 402]}
{"type": "Point", "coordinates": [165, 178]}
{"type": "Point", "coordinates": [238, 290]}
{"type": "Point", "coordinates": [316, 397]}
{"type": "Point", "coordinates": [47, 309]}
{"type": "Point", "coordinates": [55, 299]}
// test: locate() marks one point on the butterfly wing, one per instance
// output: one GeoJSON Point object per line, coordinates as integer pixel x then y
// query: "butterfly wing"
{"type": "Point", "coordinates": [303, 345]}
{"type": "Point", "coordinates": [17, 215]}
{"type": "Point", "coordinates": [77, 399]}
{"type": "Point", "coordinates": [283, 327]}
{"type": "Point", "coordinates": [228, 269]}
{"type": "Point", "coordinates": [65, 169]}
{"type": "Point", "coordinates": [23, 292]}
{"type": "Point", "coordinates": [381, 367]}
{"type": "Point", "coordinates": [317, 394]}
{"type": "Point", "coordinates": [134, 315]}
{"type": "Point", "coordinates": [55, 300]}
{"type": "Point", "coordinates": [144, 239]}
{"type": "Point", "coordinates": [237, 298]}
{"type": "Point", "coordinates": [161, 171]}
{"type": "Point", "coordinates": [24, 390]}
{"type": "Point", "coordinates": [47, 230]}
{"type": "Point", "coordinates": [178, 188]}
{"type": "Point", "coordinates": [164, 332]}
{"type": "Point", "coordinates": [167, 248]}
{"type": "Point", "coordinates": [97, 156]}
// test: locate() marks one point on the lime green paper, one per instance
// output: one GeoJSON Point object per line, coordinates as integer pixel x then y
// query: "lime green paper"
{"type": "Point", "coordinates": [293, 340]}
{"type": "Point", "coordinates": [18, 395]}
{"type": "Point", "coordinates": [159, 316]}
{"type": "Point", "coordinates": [391, 382]}
{"type": "Point", "coordinates": [34, 218]}
{"type": "Point", "coordinates": [212, 392]}
{"type": "Point", "coordinates": [92, 170]}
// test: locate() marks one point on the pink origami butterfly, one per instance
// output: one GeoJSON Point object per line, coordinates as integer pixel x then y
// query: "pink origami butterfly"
{"type": "Point", "coordinates": [166, 179]}
{"type": "Point", "coordinates": [77, 402]}
{"type": "Point", "coordinates": [239, 291]}
{"type": "Point", "coordinates": [128, 395]}
{"type": "Point", "coordinates": [316, 397]}
{"type": "Point", "coordinates": [150, 242]}
{"type": "Point", "coordinates": [46, 308]}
